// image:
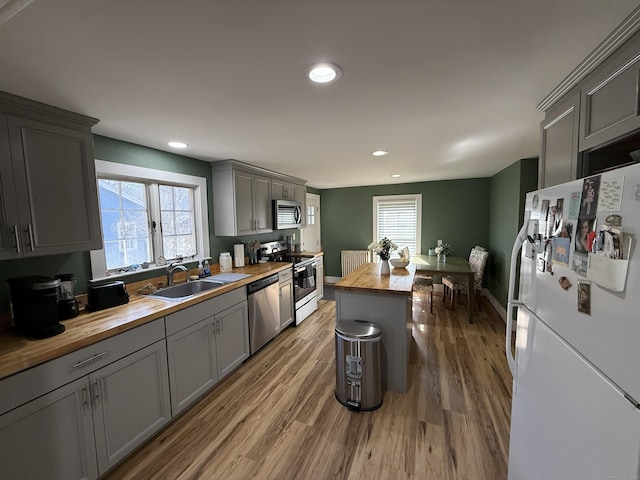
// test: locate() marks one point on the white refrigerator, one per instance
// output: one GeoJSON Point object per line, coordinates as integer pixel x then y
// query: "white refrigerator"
{"type": "Point", "coordinates": [576, 360]}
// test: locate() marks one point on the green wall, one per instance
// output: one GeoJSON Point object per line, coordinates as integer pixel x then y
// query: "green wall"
{"type": "Point", "coordinates": [455, 211]}
{"type": "Point", "coordinates": [507, 193]}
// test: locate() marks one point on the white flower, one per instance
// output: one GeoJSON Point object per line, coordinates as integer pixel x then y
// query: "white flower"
{"type": "Point", "coordinates": [383, 248]}
{"type": "Point", "coordinates": [444, 248]}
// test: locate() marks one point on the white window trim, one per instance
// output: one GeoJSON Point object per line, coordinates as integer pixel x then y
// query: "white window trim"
{"type": "Point", "coordinates": [120, 170]}
{"type": "Point", "coordinates": [416, 197]}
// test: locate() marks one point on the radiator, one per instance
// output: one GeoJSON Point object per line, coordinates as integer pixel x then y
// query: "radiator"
{"type": "Point", "coordinates": [352, 259]}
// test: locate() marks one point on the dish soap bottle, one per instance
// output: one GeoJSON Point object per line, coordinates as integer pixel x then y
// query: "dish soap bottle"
{"type": "Point", "coordinates": [200, 269]}
{"type": "Point", "coordinates": [207, 268]}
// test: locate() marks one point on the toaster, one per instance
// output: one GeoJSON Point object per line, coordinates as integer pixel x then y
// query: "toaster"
{"type": "Point", "coordinates": [106, 295]}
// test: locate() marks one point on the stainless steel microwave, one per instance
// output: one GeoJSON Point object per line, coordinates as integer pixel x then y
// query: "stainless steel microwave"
{"type": "Point", "coordinates": [286, 214]}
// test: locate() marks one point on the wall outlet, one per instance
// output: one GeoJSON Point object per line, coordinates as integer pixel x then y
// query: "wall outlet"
{"type": "Point", "coordinates": [439, 242]}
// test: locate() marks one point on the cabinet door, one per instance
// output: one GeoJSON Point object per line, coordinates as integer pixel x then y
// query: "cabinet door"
{"type": "Point", "coordinates": [277, 190]}
{"type": "Point", "coordinates": [262, 204]}
{"type": "Point", "coordinates": [56, 188]}
{"type": "Point", "coordinates": [130, 402]}
{"type": "Point", "coordinates": [245, 221]}
{"type": "Point", "coordinates": [50, 437]}
{"type": "Point", "coordinates": [286, 303]}
{"type": "Point", "coordinates": [232, 331]}
{"type": "Point", "coordinates": [192, 363]}
{"type": "Point", "coordinates": [559, 150]}
{"type": "Point", "coordinates": [9, 222]}
{"type": "Point", "coordinates": [610, 102]}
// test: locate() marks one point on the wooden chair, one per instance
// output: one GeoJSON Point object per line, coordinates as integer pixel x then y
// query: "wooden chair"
{"type": "Point", "coordinates": [452, 284]}
{"type": "Point", "coordinates": [424, 283]}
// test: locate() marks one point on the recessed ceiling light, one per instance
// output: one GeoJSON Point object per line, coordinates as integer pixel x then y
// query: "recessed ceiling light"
{"type": "Point", "coordinates": [324, 72]}
{"type": "Point", "coordinates": [396, 175]}
{"type": "Point", "coordinates": [379, 153]}
{"type": "Point", "coordinates": [177, 145]}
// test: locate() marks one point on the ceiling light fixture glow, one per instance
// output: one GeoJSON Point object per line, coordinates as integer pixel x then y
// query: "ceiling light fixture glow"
{"type": "Point", "coordinates": [396, 175]}
{"type": "Point", "coordinates": [177, 145]}
{"type": "Point", "coordinates": [324, 73]}
{"type": "Point", "coordinates": [379, 153]}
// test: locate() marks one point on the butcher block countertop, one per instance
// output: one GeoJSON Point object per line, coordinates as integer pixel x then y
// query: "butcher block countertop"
{"type": "Point", "coordinates": [367, 279]}
{"type": "Point", "coordinates": [18, 353]}
{"type": "Point", "coordinates": [305, 254]}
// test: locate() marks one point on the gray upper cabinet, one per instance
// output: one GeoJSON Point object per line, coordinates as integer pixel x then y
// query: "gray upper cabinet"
{"type": "Point", "coordinates": [49, 200]}
{"type": "Point", "coordinates": [559, 149]}
{"type": "Point", "coordinates": [609, 98]}
{"type": "Point", "coordinates": [243, 194]}
{"type": "Point", "coordinates": [241, 202]}
{"type": "Point", "coordinates": [281, 190]}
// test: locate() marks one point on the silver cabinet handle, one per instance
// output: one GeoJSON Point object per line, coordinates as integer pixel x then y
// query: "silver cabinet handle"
{"type": "Point", "coordinates": [85, 396]}
{"type": "Point", "coordinates": [89, 360]}
{"type": "Point", "coordinates": [30, 232]}
{"type": "Point", "coordinates": [96, 392]}
{"type": "Point", "coordinates": [16, 234]}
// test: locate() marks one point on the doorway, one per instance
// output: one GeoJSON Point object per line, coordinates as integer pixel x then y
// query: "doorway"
{"type": "Point", "coordinates": [310, 236]}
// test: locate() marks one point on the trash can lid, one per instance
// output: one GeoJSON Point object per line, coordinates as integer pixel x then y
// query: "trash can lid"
{"type": "Point", "coordinates": [359, 329]}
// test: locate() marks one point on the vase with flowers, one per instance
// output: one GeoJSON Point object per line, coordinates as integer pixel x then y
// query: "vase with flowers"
{"type": "Point", "coordinates": [442, 251]}
{"type": "Point", "coordinates": [383, 249]}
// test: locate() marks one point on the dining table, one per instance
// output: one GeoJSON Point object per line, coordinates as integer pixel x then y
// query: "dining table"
{"type": "Point", "coordinates": [454, 266]}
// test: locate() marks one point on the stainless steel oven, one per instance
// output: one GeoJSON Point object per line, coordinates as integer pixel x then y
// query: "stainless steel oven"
{"type": "Point", "coordinates": [305, 293]}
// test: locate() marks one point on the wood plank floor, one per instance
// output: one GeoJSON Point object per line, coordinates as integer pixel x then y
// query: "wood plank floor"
{"type": "Point", "coordinates": [276, 416]}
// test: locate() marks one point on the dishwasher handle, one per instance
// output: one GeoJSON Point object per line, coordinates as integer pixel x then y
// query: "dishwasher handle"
{"type": "Point", "coordinates": [262, 283]}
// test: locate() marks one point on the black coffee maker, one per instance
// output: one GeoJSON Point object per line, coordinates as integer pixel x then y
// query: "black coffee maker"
{"type": "Point", "coordinates": [34, 305]}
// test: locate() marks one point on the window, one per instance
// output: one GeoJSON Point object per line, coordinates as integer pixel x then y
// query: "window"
{"type": "Point", "coordinates": [148, 213]}
{"type": "Point", "coordinates": [311, 215]}
{"type": "Point", "coordinates": [399, 218]}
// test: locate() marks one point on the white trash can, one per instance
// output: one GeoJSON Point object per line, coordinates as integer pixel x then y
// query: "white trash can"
{"type": "Point", "coordinates": [358, 378]}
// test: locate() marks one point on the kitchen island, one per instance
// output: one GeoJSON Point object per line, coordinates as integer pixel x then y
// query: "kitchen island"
{"type": "Point", "coordinates": [384, 300]}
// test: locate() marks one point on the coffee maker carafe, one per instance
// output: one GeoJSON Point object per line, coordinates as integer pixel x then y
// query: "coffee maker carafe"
{"type": "Point", "coordinates": [67, 305]}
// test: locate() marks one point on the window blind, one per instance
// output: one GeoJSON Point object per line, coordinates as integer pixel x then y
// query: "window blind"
{"type": "Point", "coordinates": [398, 218]}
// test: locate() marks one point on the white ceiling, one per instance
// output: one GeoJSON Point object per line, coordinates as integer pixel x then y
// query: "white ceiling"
{"type": "Point", "coordinates": [448, 87]}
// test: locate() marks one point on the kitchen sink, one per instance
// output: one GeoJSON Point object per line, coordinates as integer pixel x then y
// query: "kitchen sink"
{"type": "Point", "coordinates": [184, 290]}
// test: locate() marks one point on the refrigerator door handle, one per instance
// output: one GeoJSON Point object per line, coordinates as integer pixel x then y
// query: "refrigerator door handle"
{"type": "Point", "coordinates": [512, 302]}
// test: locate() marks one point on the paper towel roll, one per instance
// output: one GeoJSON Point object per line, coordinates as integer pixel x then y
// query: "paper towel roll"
{"type": "Point", "coordinates": [238, 254]}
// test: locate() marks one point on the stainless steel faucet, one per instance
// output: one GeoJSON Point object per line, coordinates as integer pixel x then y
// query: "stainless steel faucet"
{"type": "Point", "coordinates": [171, 269]}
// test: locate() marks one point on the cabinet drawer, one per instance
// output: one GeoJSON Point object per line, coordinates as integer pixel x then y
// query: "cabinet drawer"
{"type": "Point", "coordinates": [25, 386]}
{"type": "Point", "coordinates": [285, 275]}
{"type": "Point", "coordinates": [190, 315]}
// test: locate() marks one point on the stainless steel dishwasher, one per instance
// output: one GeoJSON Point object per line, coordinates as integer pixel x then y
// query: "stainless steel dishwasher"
{"type": "Point", "coordinates": [264, 311]}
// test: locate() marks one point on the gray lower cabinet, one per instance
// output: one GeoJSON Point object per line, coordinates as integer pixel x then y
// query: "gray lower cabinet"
{"type": "Point", "coordinates": [285, 285]}
{"type": "Point", "coordinates": [51, 437]}
{"type": "Point", "coordinates": [41, 154]}
{"type": "Point", "coordinates": [232, 338]}
{"type": "Point", "coordinates": [77, 416]}
{"type": "Point", "coordinates": [559, 149]}
{"type": "Point", "coordinates": [206, 342]}
{"type": "Point", "coordinates": [130, 400]}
